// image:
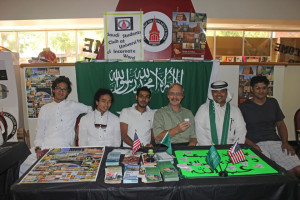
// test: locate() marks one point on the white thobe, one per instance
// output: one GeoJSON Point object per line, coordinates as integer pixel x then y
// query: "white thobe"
{"type": "Point", "coordinates": [89, 135]}
{"type": "Point", "coordinates": [236, 129]}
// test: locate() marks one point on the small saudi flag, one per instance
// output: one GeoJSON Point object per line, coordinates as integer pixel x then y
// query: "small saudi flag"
{"type": "Point", "coordinates": [213, 158]}
{"type": "Point", "coordinates": [167, 142]}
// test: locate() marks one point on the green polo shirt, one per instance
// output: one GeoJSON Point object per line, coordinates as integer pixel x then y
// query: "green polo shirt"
{"type": "Point", "coordinates": [165, 119]}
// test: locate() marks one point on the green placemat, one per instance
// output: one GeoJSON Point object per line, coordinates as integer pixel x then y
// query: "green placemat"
{"type": "Point", "coordinates": [196, 165]}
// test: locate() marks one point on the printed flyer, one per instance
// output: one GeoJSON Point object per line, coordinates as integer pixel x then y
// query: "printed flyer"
{"type": "Point", "coordinates": [188, 36]}
{"type": "Point", "coordinates": [123, 36]}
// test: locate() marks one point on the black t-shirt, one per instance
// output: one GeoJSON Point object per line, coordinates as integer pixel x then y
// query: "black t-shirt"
{"type": "Point", "coordinates": [261, 119]}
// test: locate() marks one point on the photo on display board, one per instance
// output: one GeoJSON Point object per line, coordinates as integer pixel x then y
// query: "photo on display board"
{"type": "Point", "coordinates": [189, 35]}
{"type": "Point", "coordinates": [38, 88]}
{"type": "Point", "coordinates": [249, 71]}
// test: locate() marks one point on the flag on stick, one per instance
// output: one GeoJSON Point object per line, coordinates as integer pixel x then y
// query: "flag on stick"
{"type": "Point", "coordinates": [236, 154]}
{"type": "Point", "coordinates": [136, 144]}
{"type": "Point", "coordinates": [167, 142]}
{"type": "Point", "coordinates": [213, 158]}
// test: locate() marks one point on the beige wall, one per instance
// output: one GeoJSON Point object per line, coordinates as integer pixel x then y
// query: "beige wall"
{"type": "Point", "coordinates": [291, 97]}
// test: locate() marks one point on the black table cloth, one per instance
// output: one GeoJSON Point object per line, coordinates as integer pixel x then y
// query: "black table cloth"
{"type": "Point", "coordinates": [12, 154]}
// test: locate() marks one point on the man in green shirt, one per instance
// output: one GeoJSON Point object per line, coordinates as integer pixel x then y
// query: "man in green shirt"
{"type": "Point", "coordinates": [176, 120]}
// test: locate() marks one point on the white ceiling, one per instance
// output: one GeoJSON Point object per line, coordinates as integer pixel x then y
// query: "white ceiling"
{"type": "Point", "coordinates": [96, 23]}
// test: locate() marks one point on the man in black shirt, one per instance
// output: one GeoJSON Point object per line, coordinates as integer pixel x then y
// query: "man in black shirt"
{"type": "Point", "coordinates": [262, 115]}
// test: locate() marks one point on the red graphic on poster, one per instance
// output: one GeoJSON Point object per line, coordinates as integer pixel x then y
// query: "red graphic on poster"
{"type": "Point", "coordinates": [154, 34]}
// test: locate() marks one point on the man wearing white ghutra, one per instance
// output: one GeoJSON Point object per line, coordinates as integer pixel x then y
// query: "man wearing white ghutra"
{"type": "Point", "coordinates": [217, 121]}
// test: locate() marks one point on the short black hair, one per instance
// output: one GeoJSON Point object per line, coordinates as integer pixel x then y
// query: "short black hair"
{"type": "Point", "coordinates": [144, 88]}
{"type": "Point", "coordinates": [259, 79]}
{"type": "Point", "coordinates": [62, 79]}
{"type": "Point", "coordinates": [99, 93]}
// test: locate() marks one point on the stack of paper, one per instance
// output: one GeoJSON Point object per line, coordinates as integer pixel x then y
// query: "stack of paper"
{"type": "Point", "coordinates": [131, 173]}
{"type": "Point", "coordinates": [146, 162]}
{"type": "Point", "coordinates": [152, 175]}
{"type": "Point", "coordinates": [113, 175]}
{"type": "Point", "coordinates": [131, 159]}
{"type": "Point", "coordinates": [163, 156]}
{"type": "Point", "coordinates": [113, 159]}
{"type": "Point", "coordinates": [168, 171]}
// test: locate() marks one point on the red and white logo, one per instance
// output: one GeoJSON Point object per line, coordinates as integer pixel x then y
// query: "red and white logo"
{"type": "Point", "coordinates": [157, 31]}
{"type": "Point", "coordinates": [123, 23]}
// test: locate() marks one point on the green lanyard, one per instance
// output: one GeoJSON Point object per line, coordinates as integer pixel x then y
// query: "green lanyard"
{"type": "Point", "coordinates": [213, 128]}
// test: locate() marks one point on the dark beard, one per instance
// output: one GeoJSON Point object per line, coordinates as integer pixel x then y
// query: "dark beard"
{"type": "Point", "coordinates": [142, 105]}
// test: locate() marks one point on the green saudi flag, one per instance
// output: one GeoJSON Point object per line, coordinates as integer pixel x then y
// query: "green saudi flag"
{"type": "Point", "coordinates": [167, 142]}
{"type": "Point", "coordinates": [124, 78]}
{"type": "Point", "coordinates": [213, 158]}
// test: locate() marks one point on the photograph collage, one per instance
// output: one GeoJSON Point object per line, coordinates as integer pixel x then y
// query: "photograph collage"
{"type": "Point", "coordinates": [188, 35]}
{"type": "Point", "coordinates": [67, 165]}
{"type": "Point", "coordinates": [38, 88]}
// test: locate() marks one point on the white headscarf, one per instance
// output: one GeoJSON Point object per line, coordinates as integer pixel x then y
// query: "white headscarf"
{"type": "Point", "coordinates": [219, 85]}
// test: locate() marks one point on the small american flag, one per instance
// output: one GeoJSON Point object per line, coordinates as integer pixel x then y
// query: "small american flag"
{"type": "Point", "coordinates": [136, 144]}
{"type": "Point", "coordinates": [236, 154]}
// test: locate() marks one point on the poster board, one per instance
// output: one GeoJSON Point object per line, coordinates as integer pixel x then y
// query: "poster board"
{"type": "Point", "coordinates": [38, 88]}
{"type": "Point", "coordinates": [67, 165]}
{"type": "Point", "coordinates": [188, 35]}
{"type": "Point", "coordinates": [123, 35]}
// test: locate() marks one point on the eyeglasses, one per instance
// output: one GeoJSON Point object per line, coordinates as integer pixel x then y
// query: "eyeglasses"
{"type": "Point", "coordinates": [175, 93]}
{"type": "Point", "coordinates": [103, 126]}
{"type": "Point", "coordinates": [61, 89]}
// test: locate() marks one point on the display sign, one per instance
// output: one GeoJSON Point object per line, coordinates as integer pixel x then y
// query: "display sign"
{"type": "Point", "coordinates": [157, 31]}
{"type": "Point", "coordinates": [123, 36]}
{"type": "Point", "coordinates": [289, 50]}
